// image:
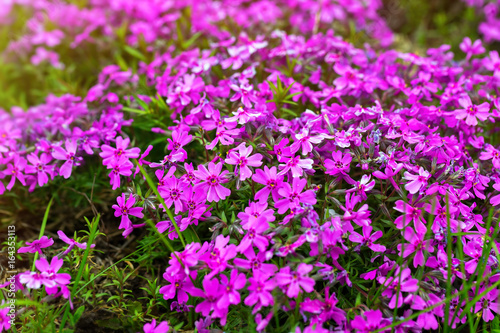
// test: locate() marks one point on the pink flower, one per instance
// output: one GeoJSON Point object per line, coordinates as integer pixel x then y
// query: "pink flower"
{"type": "Point", "coordinates": [4, 319]}
{"type": "Point", "coordinates": [296, 165]}
{"type": "Point", "coordinates": [40, 167]}
{"type": "Point", "coordinates": [212, 180]}
{"type": "Point", "coordinates": [417, 245]}
{"type": "Point", "coordinates": [471, 111]}
{"type": "Point", "coordinates": [271, 181]}
{"type": "Point", "coordinates": [125, 209]}
{"type": "Point", "coordinates": [152, 328]}
{"type": "Point", "coordinates": [71, 241]}
{"type": "Point", "coordinates": [293, 195]}
{"type": "Point", "coordinates": [243, 160]}
{"type": "Point", "coordinates": [109, 153]}
{"type": "Point", "coordinates": [15, 170]}
{"type": "Point", "coordinates": [36, 245]}
{"type": "Point", "coordinates": [417, 182]}
{"type": "Point", "coordinates": [67, 155]}
{"type": "Point", "coordinates": [340, 164]}
{"type": "Point", "coordinates": [368, 238]}
{"type": "Point", "coordinates": [293, 281]}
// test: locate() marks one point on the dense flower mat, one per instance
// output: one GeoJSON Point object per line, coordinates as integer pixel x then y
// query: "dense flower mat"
{"type": "Point", "coordinates": [320, 185]}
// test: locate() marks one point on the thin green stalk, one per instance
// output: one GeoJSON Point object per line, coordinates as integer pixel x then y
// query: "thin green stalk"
{"type": "Point", "coordinates": [42, 228]}
{"type": "Point", "coordinates": [162, 201]}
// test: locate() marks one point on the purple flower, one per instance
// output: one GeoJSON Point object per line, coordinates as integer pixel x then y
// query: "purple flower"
{"type": "Point", "coordinates": [4, 319]}
{"type": "Point", "coordinates": [271, 181]}
{"type": "Point", "coordinates": [402, 281]}
{"type": "Point", "coordinates": [40, 168]}
{"type": "Point", "coordinates": [368, 238]}
{"type": "Point", "coordinates": [243, 93]}
{"type": "Point", "coordinates": [119, 167]}
{"type": "Point", "coordinates": [293, 195]}
{"type": "Point", "coordinates": [229, 288]}
{"type": "Point", "coordinates": [490, 302]}
{"type": "Point", "coordinates": [211, 295]}
{"type": "Point", "coordinates": [152, 328]}
{"type": "Point", "coordinates": [260, 289]}
{"type": "Point", "coordinates": [340, 164]}
{"type": "Point", "coordinates": [470, 111]}
{"type": "Point", "coordinates": [255, 210]}
{"type": "Point", "coordinates": [368, 322]}
{"type": "Point", "coordinates": [125, 209]}
{"type": "Point", "coordinates": [36, 246]}
{"type": "Point", "coordinates": [68, 156]}
{"type": "Point", "coordinates": [72, 242]}
{"type": "Point", "coordinates": [255, 262]}
{"type": "Point", "coordinates": [211, 181]}
{"type": "Point", "coordinates": [109, 153]}
{"type": "Point", "coordinates": [242, 160]}
{"type": "Point", "coordinates": [180, 284]}
{"type": "Point", "coordinates": [255, 227]}
{"type": "Point", "coordinates": [417, 181]}
{"type": "Point", "coordinates": [417, 245]}
{"type": "Point", "coordinates": [296, 165]}
{"type": "Point", "coordinates": [171, 191]}
{"type": "Point", "coordinates": [293, 281]}
{"type": "Point", "coordinates": [15, 170]}
{"type": "Point", "coordinates": [470, 48]}
{"type": "Point", "coordinates": [281, 150]}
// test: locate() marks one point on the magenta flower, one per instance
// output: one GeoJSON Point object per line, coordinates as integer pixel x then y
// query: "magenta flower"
{"type": "Point", "coordinates": [224, 136]}
{"type": "Point", "coordinates": [211, 295]}
{"type": "Point", "coordinates": [109, 153]}
{"type": "Point", "coordinates": [368, 322]}
{"type": "Point", "coordinates": [40, 167]}
{"type": "Point", "coordinates": [491, 153]}
{"type": "Point", "coordinates": [402, 281]}
{"type": "Point", "coordinates": [340, 164]}
{"type": "Point", "coordinates": [293, 281]}
{"type": "Point", "coordinates": [152, 328]}
{"type": "Point", "coordinates": [363, 186]}
{"type": "Point", "coordinates": [417, 181]}
{"type": "Point", "coordinates": [271, 181]}
{"type": "Point", "coordinates": [72, 242]}
{"type": "Point", "coordinates": [255, 262]}
{"type": "Point", "coordinates": [410, 214]}
{"type": "Point", "coordinates": [296, 165]}
{"type": "Point", "coordinates": [306, 141]}
{"type": "Point", "coordinates": [242, 160]}
{"type": "Point", "coordinates": [260, 290]}
{"type": "Point", "coordinates": [48, 276]}
{"type": "Point", "coordinates": [37, 245]}
{"type": "Point", "coordinates": [15, 170]}
{"type": "Point", "coordinates": [472, 112]}
{"type": "Point", "coordinates": [119, 167]}
{"type": "Point", "coordinates": [211, 181]}
{"type": "Point", "coordinates": [470, 48]}
{"type": "Point", "coordinates": [255, 227]}
{"type": "Point", "coordinates": [125, 209]}
{"type": "Point", "coordinates": [68, 156]}
{"type": "Point", "coordinates": [229, 288]}
{"type": "Point", "coordinates": [4, 319]}
{"type": "Point", "coordinates": [490, 302]}
{"type": "Point", "coordinates": [417, 245]}
{"type": "Point", "coordinates": [171, 191]}
{"type": "Point", "coordinates": [243, 93]}
{"type": "Point", "coordinates": [282, 151]}
{"type": "Point", "coordinates": [254, 211]}
{"type": "Point", "coordinates": [368, 238]}
{"type": "Point", "coordinates": [180, 284]}
{"type": "Point", "coordinates": [293, 195]}
{"type": "Point", "coordinates": [427, 319]}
